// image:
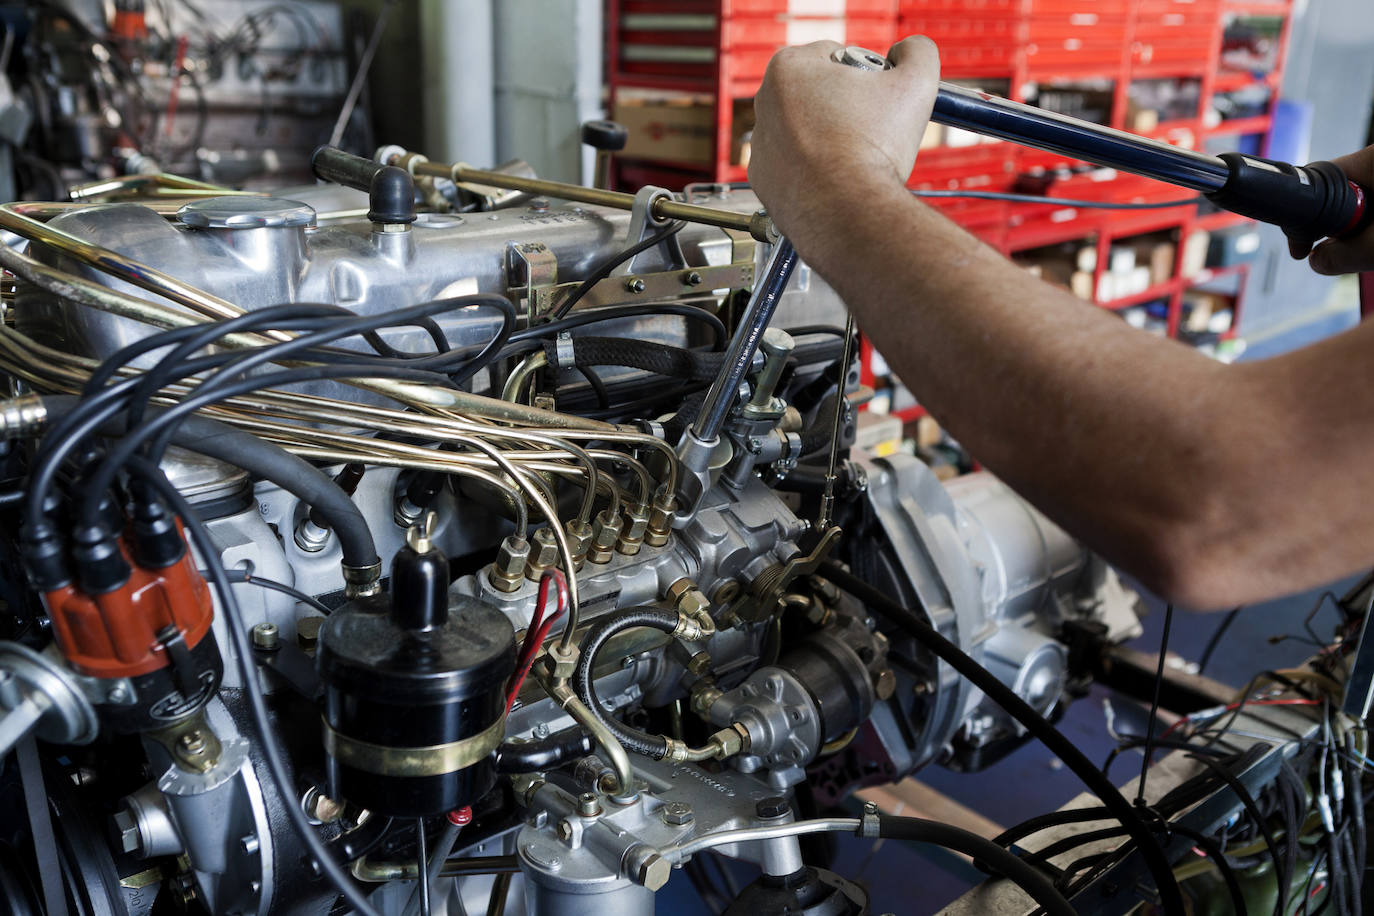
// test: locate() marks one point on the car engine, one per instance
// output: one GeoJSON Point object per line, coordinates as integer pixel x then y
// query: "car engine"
{"type": "Point", "coordinates": [446, 540]}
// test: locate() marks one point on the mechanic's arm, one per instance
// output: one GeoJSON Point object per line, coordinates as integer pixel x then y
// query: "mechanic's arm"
{"type": "Point", "coordinates": [1216, 485]}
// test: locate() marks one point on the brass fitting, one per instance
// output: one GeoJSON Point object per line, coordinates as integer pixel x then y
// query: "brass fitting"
{"type": "Point", "coordinates": [605, 533]}
{"type": "Point", "coordinates": [660, 519]}
{"type": "Point", "coordinates": [730, 741]}
{"type": "Point", "coordinates": [543, 554]}
{"type": "Point", "coordinates": [689, 599]}
{"type": "Point", "coordinates": [508, 571]}
{"type": "Point", "coordinates": [633, 536]}
{"type": "Point", "coordinates": [560, 661]}
{"type": "Point", "coordinates": [579, 541]}
{"type": "Point", "coordinates": [692, 629]}
{"type": "Point", "coordinates": [703, 698]}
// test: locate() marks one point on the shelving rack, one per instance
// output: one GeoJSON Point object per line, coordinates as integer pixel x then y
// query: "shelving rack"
{"type": "Point", "coordinates": [718, 49]}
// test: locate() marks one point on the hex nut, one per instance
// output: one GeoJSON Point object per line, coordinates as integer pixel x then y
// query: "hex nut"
{"type": "Point", "coordinates": [543, 554]}
{"type": "Point", "coordinates": [605, 533]}
{"type": "Point", "coordinates": [632, 538]}
{"type": "Point", "coordinates": [565, 830]}
{"type": "Point", "coordinates": [660, 520]}
{"type": "Point", "coordinates": [509, 569]}
{"type": "Point", "coordinates": [126, 830]}
{"type": "Point", "coordinates": [579, 541]}
{"type": "Point", "coordinates": [677, 814]}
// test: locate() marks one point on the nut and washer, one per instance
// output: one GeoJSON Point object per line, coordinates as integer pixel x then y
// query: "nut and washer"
{"type": "Point", "coordinates": [605, 533]}
{"type": "Point", "coordinates": [543, 554]}
{"type": "Point", "coordinates": [508, 571]}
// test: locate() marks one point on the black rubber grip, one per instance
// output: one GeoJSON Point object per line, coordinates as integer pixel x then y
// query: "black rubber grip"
{"type": "Point", "coordinates": [332, 164]}
{"type": "Point", "coordinates": [1308, 203]}
{"type": "Point", "coordinates": [605, 135]}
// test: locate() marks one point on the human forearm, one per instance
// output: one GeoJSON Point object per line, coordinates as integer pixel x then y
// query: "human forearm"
{"type": "Point", "coordinates": [1070, 405]}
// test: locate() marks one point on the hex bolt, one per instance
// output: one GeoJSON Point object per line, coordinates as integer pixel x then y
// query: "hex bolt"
{"type": "Point", "coordinates": [676, 814]}
{"type": "Point", "coordinates": [774, 806]}
{"type": "Point", "coordinates": [693, 278]}
{"type": "Point", "coordinates": [118, 693]}
{"type": "Point", "coordinates": [634, 285]}
{"type": "Point", "coordinates": [588, 805]}
{"type": "Point", "coordinates": [266, 637]}
{"type": "Point", "coordinates": [653, 872]}
{"type": "Point", "coordinates": [249, 844]}
{"type": "Point", "coordinates": [565, 830]}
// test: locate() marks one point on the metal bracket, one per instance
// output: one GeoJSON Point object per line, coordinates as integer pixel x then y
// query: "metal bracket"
{"type": "Point", "coordinates": [531, 266]}
{"type": "Point", "coordinates": [643, 224]}
{"type": "Point", "coordinates": [647, 287]}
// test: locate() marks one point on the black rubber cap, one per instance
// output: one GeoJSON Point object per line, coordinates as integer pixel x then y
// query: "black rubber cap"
{"type": "Point", "coordinates": [419, 589]}
{"type": "Point", "coordinates": [157, 540]}
{"type": "Point", "coordinates": [391, 196]}
{"type": "Point", "coordinates": [100, 565]}
{"type": "Point", "coordinates": [772, 806]}
{"type": "Point", "coordinates": [605, 135]}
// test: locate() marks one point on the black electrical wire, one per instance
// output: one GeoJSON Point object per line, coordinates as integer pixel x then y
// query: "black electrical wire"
{"type": "Point", "coordinates": [243, 655]}
{"type": "Point", "coordinates": [611, 313]}
{"type": "Point", "coordinates": [258, 456]}
{"type": "Point", "coordinates": [1247, 801]}
{"type": "Point", "coordinates": [223, 385]}
{"type": "Point", "coordinates": [1218, 858]}
{"type": "Point", "coordinates": [997, 859]}
{"type": "Point", "coordinates": [1150, 849]}
{"type": "Point", "coordinates": [603, 270]}
{"type": "Point", "coordinates": [1215, 639]}
{"type": "Point", "coordinates": [246, 577]}
{"type": "Point", "coordinates": [1062, 201]}
{"type": "Point", "coordinates": [1154, 706]}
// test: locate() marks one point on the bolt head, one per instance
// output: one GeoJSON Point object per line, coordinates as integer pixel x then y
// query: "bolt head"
{"type": "Point", "coordinates": [885, 684]}
{"type": "Point", "coordinates": [193, 742]}
{"type": "Point", "coordinates": [118, 693]}
{"type": "Point", "coordinates": [772, 806]}
{"type": "Point", "coordinates": [249, 844]}
{"type": "Point", "coordinates": [654, 872]}
{"type": "Point", "coordinates": [634, 285]}
{"type": "Point", "coordinates": [588, 805]}
{"type": "Point", "coordinates": [126, 830]}
{"type": "Point", "coordinates": [565, 830]}
{"type": "Point", "coordinates": [266, 636]}
{"type": "Point", "coordinates": [693, 278]}
{"type": "Point", "coordinates": [677, 814]}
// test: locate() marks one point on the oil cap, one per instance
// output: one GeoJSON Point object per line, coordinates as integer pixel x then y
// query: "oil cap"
{"type": "Point", "coordinates": [245, 212]}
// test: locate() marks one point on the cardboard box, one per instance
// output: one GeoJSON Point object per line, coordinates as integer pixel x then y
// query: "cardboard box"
{"type": "Point", "coordinates": [680, 129]}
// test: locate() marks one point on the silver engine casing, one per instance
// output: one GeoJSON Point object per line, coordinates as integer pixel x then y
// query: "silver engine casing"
{"type": "Point", "coordinates": [992, 574]}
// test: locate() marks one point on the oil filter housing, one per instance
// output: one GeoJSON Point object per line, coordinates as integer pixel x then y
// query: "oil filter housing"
{"type": "Point", "coordinates": [414, 691]}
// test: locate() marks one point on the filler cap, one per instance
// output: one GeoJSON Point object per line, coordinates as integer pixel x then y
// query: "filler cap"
{"type": "Point", "coordinates": [245, 213]}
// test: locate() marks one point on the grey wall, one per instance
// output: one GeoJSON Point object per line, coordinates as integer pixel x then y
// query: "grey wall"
{"type": "Point", "coordinates": [1331, 66]}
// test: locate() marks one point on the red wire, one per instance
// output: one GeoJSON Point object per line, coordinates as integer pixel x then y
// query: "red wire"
{"type": "Point", "coordinates": [1291, 701]}
{"type": "Point", "coordinates": [538, 630]}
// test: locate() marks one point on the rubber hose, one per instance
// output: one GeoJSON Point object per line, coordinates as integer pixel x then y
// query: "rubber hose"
{"type": "Point", "coordinates": [648, 355]}
{"type": "Point", "coordinates": [998, 860]}
{"type": "Point", "coordinates": [546, 754]}
{"type": "Point", "coordinates": [655, 746]}
{"type": "Point", "coordinates": [262, 459]}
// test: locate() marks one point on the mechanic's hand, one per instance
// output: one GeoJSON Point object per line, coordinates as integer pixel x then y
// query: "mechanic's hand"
{"type": "Point", "coordinates": [1347, 255]}
{"type": "Point", "coordinates": [822, 126]}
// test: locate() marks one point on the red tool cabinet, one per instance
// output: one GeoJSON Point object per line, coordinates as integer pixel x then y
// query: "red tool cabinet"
{"type": "Point", "coordinates": [717, 50]}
